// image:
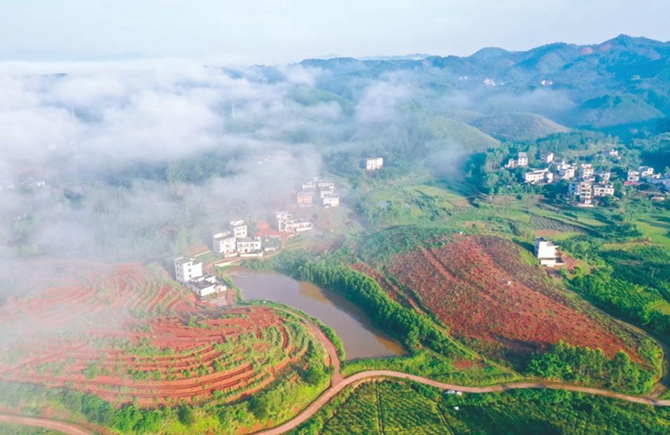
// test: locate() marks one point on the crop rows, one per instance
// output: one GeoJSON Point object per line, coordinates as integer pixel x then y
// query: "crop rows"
{"type": "Point", "coordinates": [482, 290]}
{"type": "Point", "coordinates": [128, 335]}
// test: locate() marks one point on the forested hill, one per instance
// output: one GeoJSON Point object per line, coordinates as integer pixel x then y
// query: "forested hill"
{"type": "Point", "coordinates": [624, 81]}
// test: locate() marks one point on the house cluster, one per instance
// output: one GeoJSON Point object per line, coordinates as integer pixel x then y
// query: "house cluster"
{"type": "Point", "coordinates": [188, 271]}
{"type": "Point", "coordinates": [374, 163]}
{"type": "Point", "coordinates": [236, 242]}
{"type": "Point", "coordinates": [646, 174]}
{"type": "Point", "coordinates": [546, 252]}
{"type": "Point", "coordinates": [590, 185]}
{"type": "Point", "coordinates": [321, 189]}
{"type": "Point", "coordinates": [585, 183]}
{"type": "Point", "coordinates": [286, 223]}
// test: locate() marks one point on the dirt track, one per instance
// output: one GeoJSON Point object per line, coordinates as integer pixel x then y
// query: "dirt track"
{"type": "Point", "coordinates": [338, 384]}
{"type": "Point", "coordinates": [58, 426]}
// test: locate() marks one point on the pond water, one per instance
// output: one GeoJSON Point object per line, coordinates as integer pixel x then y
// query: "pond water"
{"type": "Point", "coordinates": [360, 338]}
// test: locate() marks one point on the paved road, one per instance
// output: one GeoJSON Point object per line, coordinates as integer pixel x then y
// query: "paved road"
{"type": "Point", "coordinates": [71, 429]}
{"type": "Point", "coordinates": [54, 425]}
{"type": "Point", "coordinates": [333, 391]}
{"type": "Point", "coordinates": [338, 383]}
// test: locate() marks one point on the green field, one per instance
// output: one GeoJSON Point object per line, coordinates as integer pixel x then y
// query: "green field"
{"type": "Point", "coordinates": [392, 407]}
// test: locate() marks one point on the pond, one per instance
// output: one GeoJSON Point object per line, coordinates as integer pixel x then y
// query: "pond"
{"type": "Point", "coordinates": [360, 338]}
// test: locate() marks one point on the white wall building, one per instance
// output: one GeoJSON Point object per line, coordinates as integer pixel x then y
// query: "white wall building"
{"type": "Point", "coordinates": [187, 269]}
{"type": "Point", "coordinates": [646, 171]}
{"type": "Point", "coordinates": [224, 243]}
{"type": "Point", "coordinates": [249, 245]}
{"type": "Point", "coordinates": [586, 172]}
{"type": "Point", "coordinates": [522, 160]}
{"type": "Point", "coordinates": [238, 228]}
{"type": "Point", "coordinates": [567, 172]}
{"type": "Point", "coordinates": [205, 286]}
{"type": "Point", "coordinates": [374, 164]}
{"type": "Point", "coordinates": [633, 176]}
{"type": "Point", "coordinates": [600, 190]}
{"type": "Point", "coordinates": [331, 200]}
{"type": "Point", "coordinates": [538, 176]}
{"type": "Point", "coordinates": [545, 251]}
{"type": "Point", "coordinates": [547, 157]}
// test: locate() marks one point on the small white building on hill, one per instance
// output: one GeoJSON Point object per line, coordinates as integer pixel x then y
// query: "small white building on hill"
{"type": "Point", "coordinates": [224, 243]}
{"type": "Point", "coordinates": [188, 271]}
{"type": "Point", "coordinates": [545, 251]}
{"type": "Point", "coordinates": [238, 228]}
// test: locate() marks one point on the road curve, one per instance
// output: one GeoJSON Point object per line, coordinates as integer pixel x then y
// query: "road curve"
{"type": "Point", "coordinates": [333, 391]}
{"type": "Point", "coordinates": [54, 425]}
{"type": "Point", "coordinates": [307, 413]}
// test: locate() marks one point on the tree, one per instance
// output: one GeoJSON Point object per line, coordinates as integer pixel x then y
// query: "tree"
{"type": "Point", "coordinates": [186, 415]}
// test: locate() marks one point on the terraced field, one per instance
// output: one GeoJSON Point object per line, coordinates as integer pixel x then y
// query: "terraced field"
{"type": "Point", "coordinates": [126, 334]}
{"type": "Point", "coordinates": [480, 287]}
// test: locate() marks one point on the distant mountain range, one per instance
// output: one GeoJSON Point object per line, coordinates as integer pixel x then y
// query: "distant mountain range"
{"type": "Point", "coordinates": [619, 84]}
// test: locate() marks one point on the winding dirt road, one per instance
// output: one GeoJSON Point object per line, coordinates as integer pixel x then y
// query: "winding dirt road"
{"type": "Point", "coordinates": [54, 425]}
{"type": "Point", "coordinates": [333, 391]}
{"type": "Point", "coordinates": [338, 383]}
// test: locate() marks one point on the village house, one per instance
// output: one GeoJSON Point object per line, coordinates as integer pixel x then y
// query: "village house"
{"type": "Point", "coordinates": [522, 160]}
{"type": "Point", "coordinates": [547, 157]}
{"type": "Point", "coordinates": [310, 185]}
{"type": "Point", "coordinates": [305, 198]}
{"type": "Point", "coordinates": [206, 285]}
{"type": "Point", "coordinates": [612, 152]}
{"type": "Point", "coordinates": [511, 164]}
{"type": "Point", "coordinates": [567, 172]}
{"type": "Point", "coordinates": [374, 164]}
{"type": "Point", "coordinates": [583, 190]}
{"type": "Point", "coordinates": [238, 228]}
{"type": "Point", "coordinates": [545, 251]}
{"type": "Point", "coordinates": [603, 176]}
{"type": "Point", "coordinates": [224, 243]}
{"type": "Point", "coordinates": [646, 171]}
{"type": "Point", "coordinates": [331, 200]}
{"type": "Point", "coordinates": [586, 172]}
{"type": "Point", "coordinates": [633, 176]}
{"type": "Point", "coordinates": [288, 224]}
{"type": "Point", "coordinates": [188, 271]}
{"type": "Point", "coordinates": [600, 190]}
{"type": "Point", "coordinates": [249, 245]}
{"type": "Point", "coordinates": [538, 176]}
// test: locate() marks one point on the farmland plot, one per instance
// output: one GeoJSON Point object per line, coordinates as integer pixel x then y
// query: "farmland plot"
{"type": "Point", "coordinates": [127, 334]}
{"type": "Point", "coordinates": [480, 287]}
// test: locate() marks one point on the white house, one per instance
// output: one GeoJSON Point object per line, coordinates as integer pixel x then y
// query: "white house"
{"type": "Point", "coordinates": [567, 172]}
{"type": "Point", "coordinates": [374, 164]}
{"type": "Point", "coordinates": [545, 251]}
{"type": "Point", "coordinates": [248, 245]}
{"type": "Point", "coordinates": [603, 176]}
{"type": "Point", "coordinates": [205, 286]}
{"type": "Point", "coordinates": [224, 243]}
{"type": "Point", "coordinates": [187, 269]}
{"type": "Point", "coordinates": [600, 190]}
{"type": "Point", "coordinates": [522, 160]}
{"type": "Point", "coordinates": [633, 176]}
{"type": "Point", "coordinates": [646, 171]}
{"type": "Point", "coordinates": [547, 157]}
{"type": "Point", "coordinates": [586, 172]}
{"type": "Point", "coordinates": [238, 228]}
{"type": "Point", "coordinates": [331, 200]}
{"type": "Point", "coordinates": [538, 175]}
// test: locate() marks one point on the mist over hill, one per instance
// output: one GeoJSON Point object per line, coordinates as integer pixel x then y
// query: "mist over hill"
{"type": "Point", "coordinates": [139, 156]}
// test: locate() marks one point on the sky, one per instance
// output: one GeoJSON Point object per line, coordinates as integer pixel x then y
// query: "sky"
{"type": "Point", "coordinates": [277, 31]}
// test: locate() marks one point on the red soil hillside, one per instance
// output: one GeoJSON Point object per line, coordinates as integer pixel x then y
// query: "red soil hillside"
{"type": "Point", "coordinates": [481, 289]}
{"type": "Point", "coordinates": [125, 333]}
